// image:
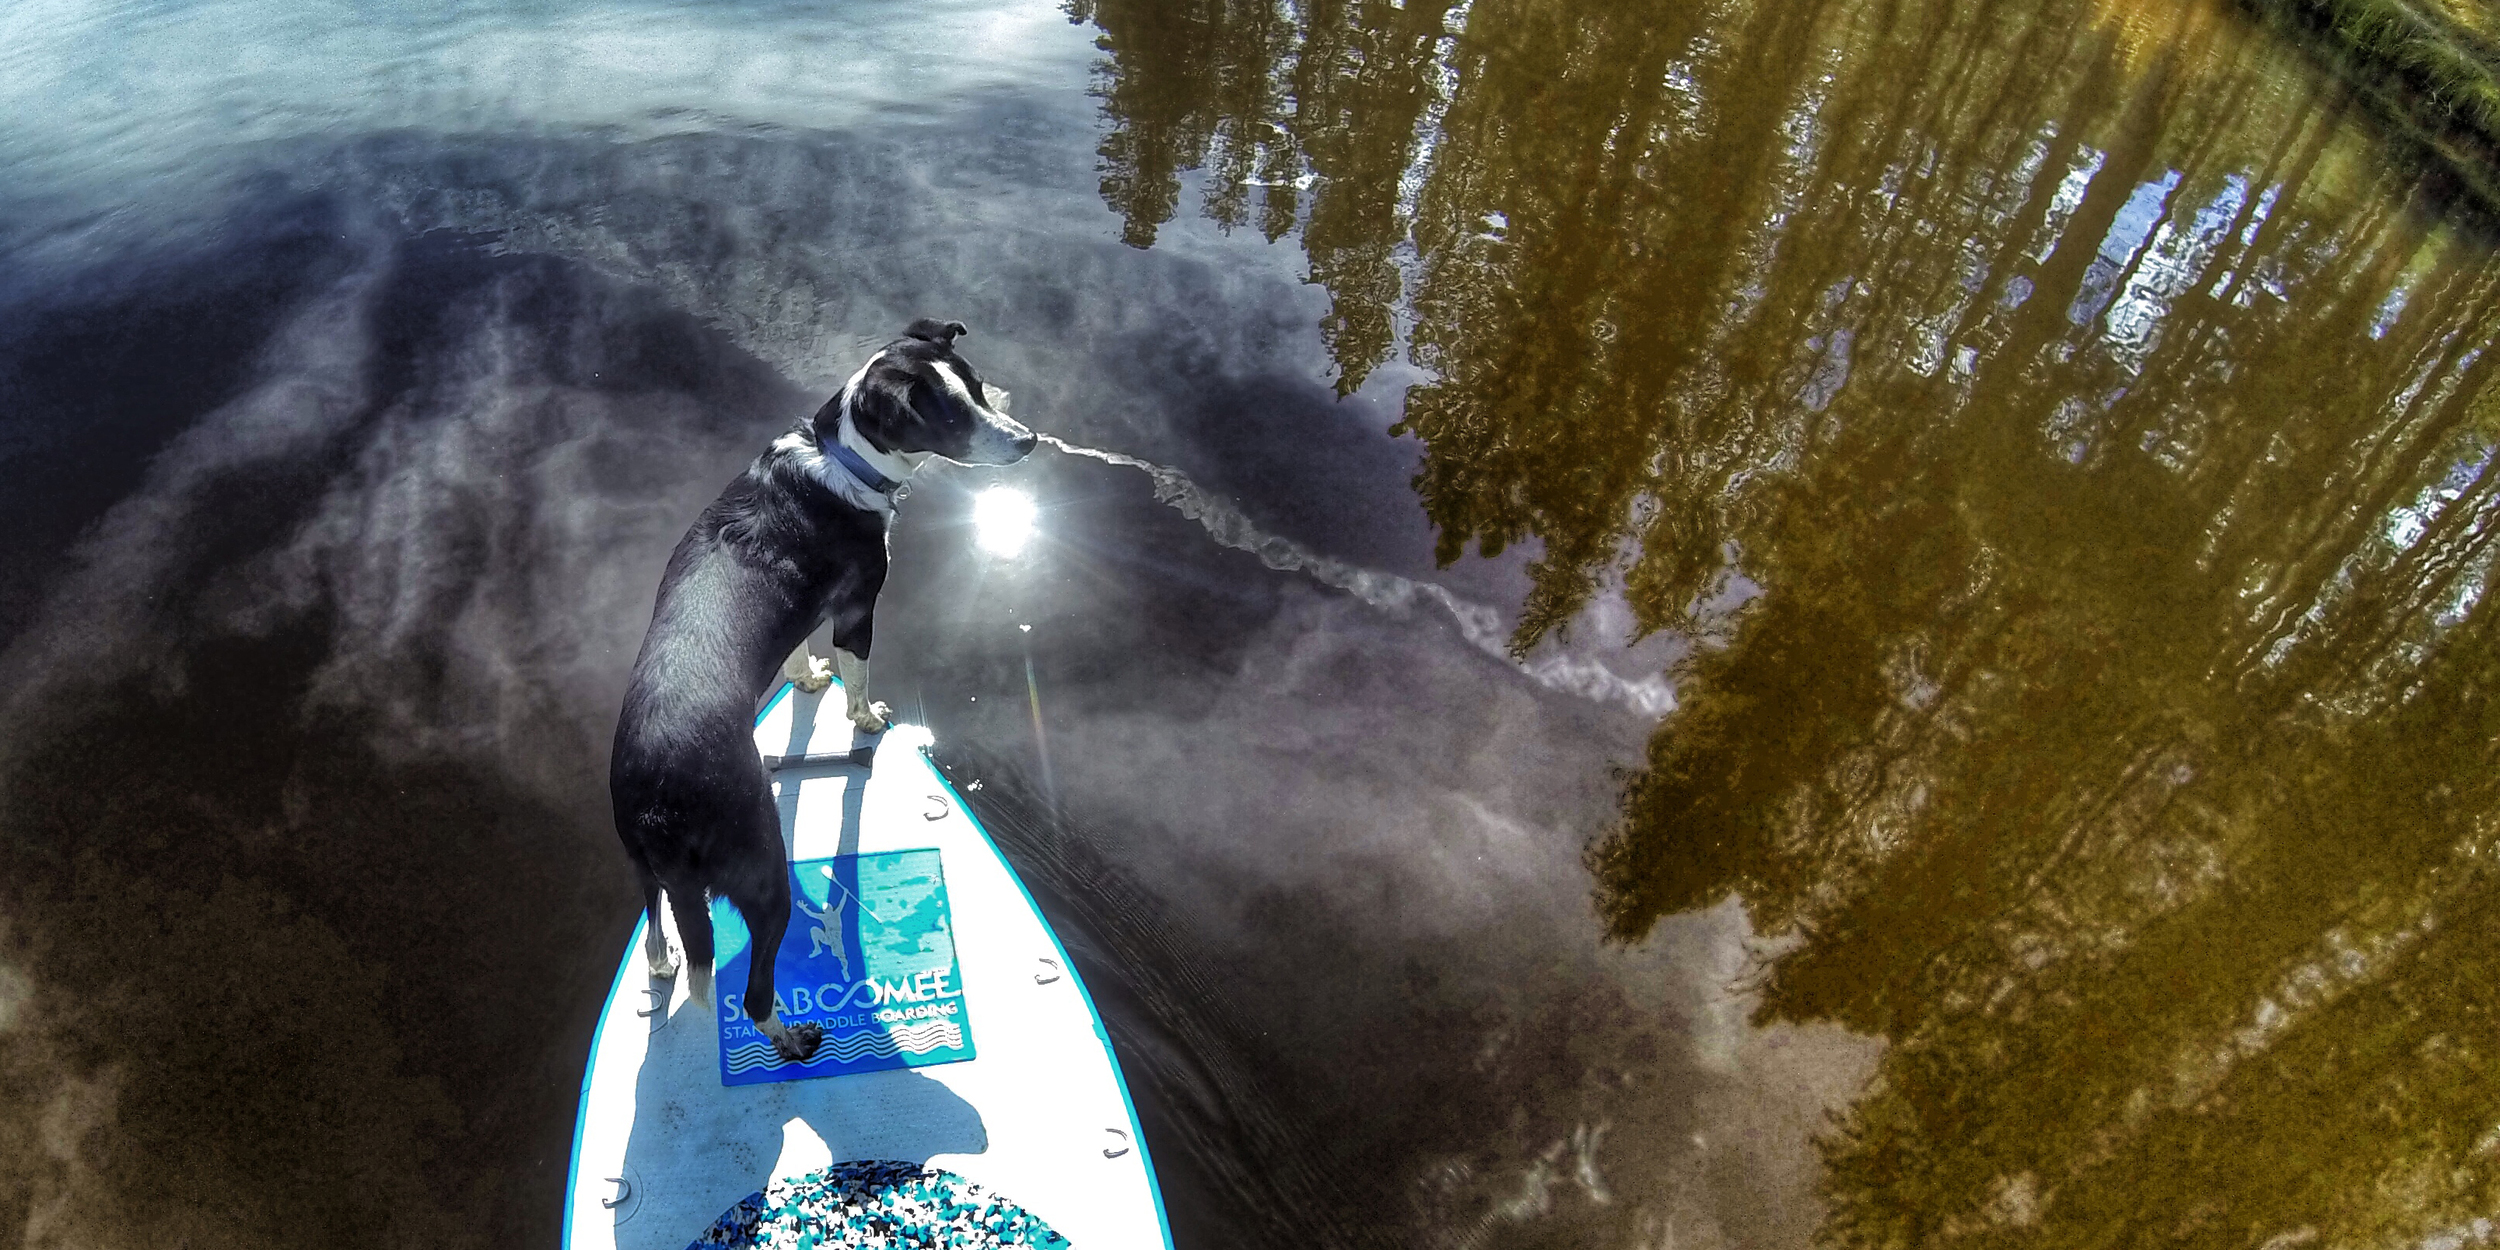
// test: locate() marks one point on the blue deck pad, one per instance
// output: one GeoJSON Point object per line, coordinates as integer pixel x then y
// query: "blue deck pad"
{"type": "Point", "coordinates": [869, 957]}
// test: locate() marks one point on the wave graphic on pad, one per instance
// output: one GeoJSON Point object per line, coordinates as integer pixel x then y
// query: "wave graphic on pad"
{"type": "Point", "coordinates": [917, 1039]}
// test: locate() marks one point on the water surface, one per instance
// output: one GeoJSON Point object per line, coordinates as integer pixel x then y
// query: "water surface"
{"type": "Point", "coordinates": [1701, 624]}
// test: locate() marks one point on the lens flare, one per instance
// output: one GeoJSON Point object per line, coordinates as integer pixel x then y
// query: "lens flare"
{"type": "Point", "coordinates": [1002, 520]}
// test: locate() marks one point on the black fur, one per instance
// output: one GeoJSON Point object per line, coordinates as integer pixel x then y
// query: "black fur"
{"type": "Point", "coordinates": [903, 405]}
{"type": "Point", "coordinates": [778, 553]}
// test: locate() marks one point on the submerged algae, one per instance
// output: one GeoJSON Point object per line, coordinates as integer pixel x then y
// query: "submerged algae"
{"type": "Point", "coordinates": [2067, 433]}
{"type": "Point", "coordinates": [2432, 71]}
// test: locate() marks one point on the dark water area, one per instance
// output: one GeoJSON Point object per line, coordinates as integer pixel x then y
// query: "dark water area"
{"type": "Point", "coordinates": [1669, 626]}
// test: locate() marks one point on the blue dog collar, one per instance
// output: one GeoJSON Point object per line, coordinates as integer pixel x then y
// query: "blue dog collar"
{"type": "Point", "coordinates": [864, 471]}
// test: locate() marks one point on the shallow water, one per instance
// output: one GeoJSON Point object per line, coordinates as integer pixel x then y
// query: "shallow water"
{"type": "Point", "coordinates": [1666, 625]}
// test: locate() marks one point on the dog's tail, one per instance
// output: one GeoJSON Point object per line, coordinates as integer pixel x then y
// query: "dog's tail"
{"type": "Point", "coordinates": [694, 928]}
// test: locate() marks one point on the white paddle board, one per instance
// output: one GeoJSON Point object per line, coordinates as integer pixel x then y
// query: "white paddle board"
{"type": "Point", "coordinates": [964, 1086]}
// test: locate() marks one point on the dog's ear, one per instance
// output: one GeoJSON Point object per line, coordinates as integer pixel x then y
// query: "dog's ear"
{"type": "Point", "coordinates": [932, 330]}
{"type": "Point", "coordinates": [897, 413]}
{"type": "Point", "coordinates": [878, 413]}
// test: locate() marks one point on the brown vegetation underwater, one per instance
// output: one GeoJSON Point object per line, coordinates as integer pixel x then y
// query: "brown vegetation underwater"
{"type": "Point", "coordinates": [2433, 70]}
{"type": "Point", "coordinates": [2067, 432]}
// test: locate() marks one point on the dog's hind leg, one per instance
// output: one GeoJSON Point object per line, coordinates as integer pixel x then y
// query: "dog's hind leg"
{"type": "Point", "coordinates": [871, 718]}
{"type": "Point", "coordinates": [694, 929]}
{"type": "Point", "coordinates": [655, 951]}
{"type": "Point", "coordinates": [767, 912]}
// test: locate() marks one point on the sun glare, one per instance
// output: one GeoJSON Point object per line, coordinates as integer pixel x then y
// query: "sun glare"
{"type": "Point", "coordinates": [1002, 520]}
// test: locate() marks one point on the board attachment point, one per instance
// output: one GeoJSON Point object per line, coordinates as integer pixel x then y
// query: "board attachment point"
{"type": "Point", "coordinates": [859, 756]}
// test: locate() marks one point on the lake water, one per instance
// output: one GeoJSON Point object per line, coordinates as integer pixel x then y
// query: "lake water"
{"type": "Point", "coordinates": [1665, 625]}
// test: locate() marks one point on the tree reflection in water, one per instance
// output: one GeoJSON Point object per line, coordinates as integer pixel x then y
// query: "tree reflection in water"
{"type": "Point", "coordinates": [2099, 420]}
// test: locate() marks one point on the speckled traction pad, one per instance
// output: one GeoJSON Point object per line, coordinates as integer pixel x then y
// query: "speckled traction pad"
{"type": "Point", "coordinates": [881, 1205]}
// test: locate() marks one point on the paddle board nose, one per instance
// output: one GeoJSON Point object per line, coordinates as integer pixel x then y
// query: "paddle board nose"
{"type": "Point", "coordinates": [963, 1076]}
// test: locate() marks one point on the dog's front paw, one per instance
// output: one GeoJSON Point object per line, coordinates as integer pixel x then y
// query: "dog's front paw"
{"type": "Point", "coordinates": [797, 1042]}
{"type": "Point", "coordinates": [819, 676]}
{"type": "Point", "coordinates": [872, 718]}
{"type": "Point", "coordinates": [665, 966]}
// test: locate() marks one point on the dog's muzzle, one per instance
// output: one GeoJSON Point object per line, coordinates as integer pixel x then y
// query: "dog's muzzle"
{"type": "Point", "coordinates": [998, 439]}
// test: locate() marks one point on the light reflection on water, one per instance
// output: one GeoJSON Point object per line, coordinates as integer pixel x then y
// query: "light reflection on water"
{"type": "Point", "coordinates": [2049, 441]}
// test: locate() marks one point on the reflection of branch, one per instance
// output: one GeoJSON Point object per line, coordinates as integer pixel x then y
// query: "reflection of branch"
{"type": "Point", "coordinates": [2331, 548]}
{"type": "Point", "coordinates": [1931, 972]}
{"type": "Point", "coordinates": [1480, 625]}
{"type": "Point", "coordinates": [2435, 572]}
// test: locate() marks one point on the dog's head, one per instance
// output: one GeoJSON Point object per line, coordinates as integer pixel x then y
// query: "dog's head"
{"type": "Point", "coordinates": [918, 397]}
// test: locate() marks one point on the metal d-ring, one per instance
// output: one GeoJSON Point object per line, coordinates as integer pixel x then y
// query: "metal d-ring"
{"type": "Point", "coordinates": [1045, 978]}
{"type": "Point", "coordinates": [659, 999]}
{"type": "Point", "coordinates": [937, 809]}
{"type": "Point", "coordinates": [624, 1190]}
{"type": "Point", "coordinates": [1114, 1152]}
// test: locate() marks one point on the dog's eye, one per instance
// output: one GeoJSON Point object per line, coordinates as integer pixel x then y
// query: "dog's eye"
{"type": "Point", "coordinates": [929, 404]}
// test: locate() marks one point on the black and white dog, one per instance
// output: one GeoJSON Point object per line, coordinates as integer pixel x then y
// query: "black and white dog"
{"type": "Point", "coordinates": [797, 540]}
